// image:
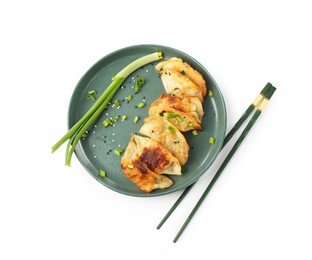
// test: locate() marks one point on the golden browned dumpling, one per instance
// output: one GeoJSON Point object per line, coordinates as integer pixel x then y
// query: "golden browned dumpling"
{"type": "Point", "coordinates": [183, 114]}
{"type": "Point", "coordinates": [161, 130]}
{"type": "Point", "coordinates": [180, 86]}
{"type": "Point", "coordinates": [137, 171]}
{"type": "Point", "coordinates": [193, 107]}
{"type": "Point", "coordinates": [156, 157]}
{"type": "Point", "coordinates": [176, 64]}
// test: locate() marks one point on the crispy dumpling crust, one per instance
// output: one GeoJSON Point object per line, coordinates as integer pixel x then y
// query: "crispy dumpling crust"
{"type": "Point", "coordinates": [185, 118]}
{"type": "Point", "coordinates": [135, 170]}
{"type": "Point", "coordinates": [176, 64]}
{"type": "Point", "coordinates": [156, 157]}
{"type": "Point", "coordinates": [180, 86]}
{"type": "Point", "coordinates": [161, 130]}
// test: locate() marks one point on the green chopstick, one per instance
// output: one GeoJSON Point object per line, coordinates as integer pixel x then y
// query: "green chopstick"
{"type": "Point", "coordinates": [242, 119]}
{"type": "Point", "coordinates": [260, 106]}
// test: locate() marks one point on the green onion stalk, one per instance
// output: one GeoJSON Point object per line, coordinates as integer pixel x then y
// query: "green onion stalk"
{"type": "Point", "coordinates": [78, 130]}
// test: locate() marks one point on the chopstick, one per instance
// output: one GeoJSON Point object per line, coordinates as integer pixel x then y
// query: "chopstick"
{"type": "Point", "coordinates": [259, 103]}
{"type": "Point", "coordinates": [237, 125]}
{"type": "Point", "coordinates": [260, 106]}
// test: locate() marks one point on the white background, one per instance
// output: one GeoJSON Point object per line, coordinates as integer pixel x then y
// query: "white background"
{"type": "Point", "coordinates": [260, 207]}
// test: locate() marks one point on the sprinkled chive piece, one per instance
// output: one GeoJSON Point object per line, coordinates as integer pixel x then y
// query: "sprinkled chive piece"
{"type": "Point", "coordinates": [138, 84]}
{"type": "Point", "coordinates": [102, 173]}
{"type": "Point", "coordinates": [129, 97]}
{"type": "Point", "coordinates": [210, 93]}
{"type": "Point", "coordinates": [194, 132]}
{"type": "Point", "coordinates": [211, 140]}
{"type": "Point", "coordinates": [171, 128]}
{"type": "Point", "coordinates": [116, 103]}
{"type": "Point", "coordinates": [74, 134]}
{"type": "Point", "coordinates": [107, 122]}
{"type": "Point", "coordinates": [123, 117]}
{"type": "Point", "coordinates": [140, 81]}
{"type": "Point", "coordinates": [90, 94]}
{"type": "Point", "coordinates": [118, 151]}
{"type": "Point", "coordinates": [136, 119]}
{"type": "Point", "coordinates": [115, 119]}
{"type": "Point", "coordinates": [190, 124]}
{"type": "Point", "coordinates": [176, 116]}
{"type": "Point", "coordinates": [141, 104]}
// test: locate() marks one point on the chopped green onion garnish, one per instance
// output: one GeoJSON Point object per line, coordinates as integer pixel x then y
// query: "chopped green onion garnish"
{"type": "Point", "coordinates": [211, 140]}
{"type": "Point", "coordinates": [102, 173]}
{"type": "Point", "coordinates": [74, 134]}
{"type": "Point", "coordinates": [180, 119]}
{"type": "Point", "coordinates": [210, 93]}
{"type": "Point", "coordinates": [136, 119]}
{"type": "Point", "coordinates": [176, 116]}
{"type": "Point", "coordinates": [194, 132]}
{"type": "Point", "coordinates": [115, 119]}
{"type": "Point", "coordinates": [107, 122]}
{"type": "Point", "coordinates": [129, 97]}
{"type": "Point", "coordinates": [140, 81]}
{"type": "Point", "coordinates": [123, 118]}
{"type": "Point", "coordinates": [141, 104]}
{"type": "Point", "coordinates": [171, 128]}
{"type": "Point", "coordinates": [90, 95]}
{"type": "Point", "coordinates": [91, 92]}
{"type": "Point", "coordinates": [182, 72]}
{"type": "Point", "coordinates": [116, 103]}
{"type": "Point", "coordinates": [136, 89]}
{"type": "Point", "coordinates": [171, 115]}
{"type": "Point", "coordinates": [118, 151]}
{"type": "Point", "coordinates": [190, 124]}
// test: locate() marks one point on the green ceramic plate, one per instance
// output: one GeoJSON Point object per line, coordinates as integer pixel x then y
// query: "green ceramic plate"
{"type": "Point", "coordinates": [96, 152]}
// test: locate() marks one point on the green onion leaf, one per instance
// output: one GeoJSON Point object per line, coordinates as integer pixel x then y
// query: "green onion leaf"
{"type": "Point", "coordinates": [171, 128]}
{"type": "Point", "coordinates": [75, 133]}
{"type": "Point", "coordinates": [210, 93]}
{"type": "Point", "coordinates": [102, 173]}
{"type": "Point", "coordinates": [136, 119]}
{"type": "Point", "coordinates": [118, 151]}
{"type": "Point", "coordinates": [140, 81]}
{"type": "Point", "coordinates": [116, 103]}
{"type": "Point", "coordinates": [211, 140]}
{"type": "Point", "coordinates": [194, 132]}
{"type": "Point", "coordinates": [90, 95]}
{"type": "Point", "coordinates": [115, 119]}
{"type": "Point", "coordinates": [141, 104]}
{"type": "Point", "coordinates": [176, 116]}
{"type": "Point", "coordinates": [107, 122]}
{"type": "Point", "coordinates": [123, 118]}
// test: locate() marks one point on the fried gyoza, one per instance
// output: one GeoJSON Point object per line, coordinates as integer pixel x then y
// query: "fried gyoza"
{"type": "Point", "coordinates": [157, 158]}
{"type": "Point", "coordinates": [137, 171]}
{"type": "Point", "coordinates": [180, 86]}
{"type": "Point", "coordinates": [177, 65]}
{"type": "Point", "coordinates": [185, 114]}
{"type": "Point", "coordinates": [161, 130]}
